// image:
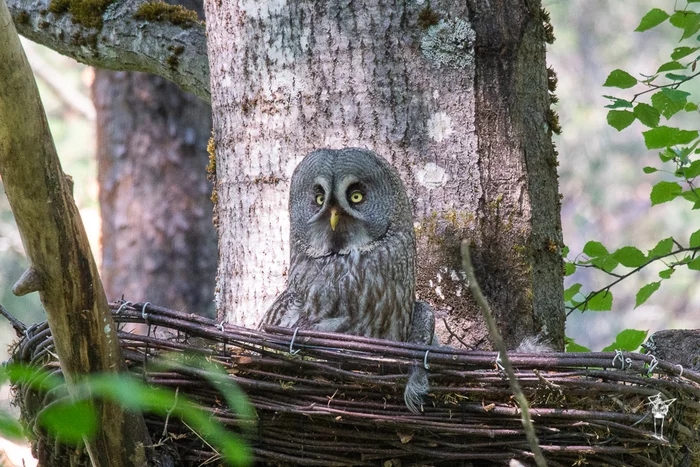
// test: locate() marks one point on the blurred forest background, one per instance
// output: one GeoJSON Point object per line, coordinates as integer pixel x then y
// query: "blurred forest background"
{"type": "Point", "coordinates": [606, 194]}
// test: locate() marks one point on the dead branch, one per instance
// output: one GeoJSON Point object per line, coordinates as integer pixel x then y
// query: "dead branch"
{"type": "Point", "coordinates": [62, 268]}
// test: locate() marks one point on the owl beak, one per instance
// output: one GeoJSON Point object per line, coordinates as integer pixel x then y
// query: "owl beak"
{"type": "Point", "coordinates": [335, 217]}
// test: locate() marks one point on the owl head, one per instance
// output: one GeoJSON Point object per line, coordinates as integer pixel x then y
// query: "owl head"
{"type": "Point", "coordinates": [345, 200]}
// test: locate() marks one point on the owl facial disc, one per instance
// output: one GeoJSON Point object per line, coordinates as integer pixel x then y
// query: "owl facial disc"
{"type": "Point", "coordinates": [344, 201]}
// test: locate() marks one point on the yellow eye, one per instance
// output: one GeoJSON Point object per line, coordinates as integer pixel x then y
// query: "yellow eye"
{"type": "Point", "coordinates": [356, 197]}
{"type": "Point", "coordinates": [320, 199]}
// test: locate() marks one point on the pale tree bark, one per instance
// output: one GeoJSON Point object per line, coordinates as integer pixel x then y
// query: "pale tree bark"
{"type": "Point", "coordinates": [61, 267]}
{"type": "Point", "coordinates": [158, 240]}
{"type": "Point", "coordinates": [453, 95]}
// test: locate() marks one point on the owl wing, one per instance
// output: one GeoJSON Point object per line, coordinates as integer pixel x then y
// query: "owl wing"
{"type": "Point", "coordinates": [422, 330]}
{"type": "Point", "coordinates": [284, 311]}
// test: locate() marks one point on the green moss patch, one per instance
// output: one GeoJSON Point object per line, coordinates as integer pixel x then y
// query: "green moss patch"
{"type": "Point", "coordinates": [22, 18]}
{"type": "Point", "coordinates": [165, 13]}
{"type": "Point", "coordinates": [86, 12]}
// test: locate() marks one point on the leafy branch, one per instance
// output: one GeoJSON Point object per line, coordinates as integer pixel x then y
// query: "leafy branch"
{"type": "Point", "coordinates": [677, 146]}
{"type": "Point", "coordinates": [655, 87]}
{"type": "Point", "coordinates": [644, 293]}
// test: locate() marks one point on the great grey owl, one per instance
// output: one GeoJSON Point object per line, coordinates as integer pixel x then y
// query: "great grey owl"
{"type": "Point", "coordinates": [353, 253]}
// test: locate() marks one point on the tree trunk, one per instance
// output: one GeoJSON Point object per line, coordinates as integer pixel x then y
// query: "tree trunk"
{"type": "Point", "coordinates": [454, 97]}
{"type": "Point", "coordinates": [158, 240]}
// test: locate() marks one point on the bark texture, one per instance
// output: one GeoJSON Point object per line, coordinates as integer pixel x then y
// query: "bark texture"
{"type": "Point", "coordinates": [454, 97]}
{"type": "Point", "coordinates": [123, 43]}
{"type": "Point", "coordinates": [62, 267]}
{"type": "Point", "coordinates": [158, 240]}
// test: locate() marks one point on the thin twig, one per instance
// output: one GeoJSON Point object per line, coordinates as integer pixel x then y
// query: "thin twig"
{"type": "Point", "coordinates": [452, 334]}
{"type": "Point", "coordinates": [654, 87]}
{"type": "Point", "coordinates": [19, 326]}
{"type": "Point", "coordinates": [501, 347]}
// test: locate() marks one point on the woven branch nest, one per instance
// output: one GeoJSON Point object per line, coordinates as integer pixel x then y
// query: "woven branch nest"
{"type": "Point", "coordinates": [339, 400]}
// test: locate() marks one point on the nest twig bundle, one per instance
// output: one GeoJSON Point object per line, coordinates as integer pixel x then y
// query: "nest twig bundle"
{"type": "Point", "coordinates": [333, 400]}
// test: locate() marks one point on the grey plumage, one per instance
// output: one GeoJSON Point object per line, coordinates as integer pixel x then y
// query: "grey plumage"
{"type": "Point", "coordinates": [358, 278]}
{"type": "Point", "coordinates": [353, 253]}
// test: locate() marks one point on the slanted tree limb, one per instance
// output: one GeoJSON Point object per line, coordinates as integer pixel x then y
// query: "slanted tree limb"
{"type": "Point", "coordinates": [175, 52]}
{"type": "Point", "coordinates": [63, 269]}
{"type": "Point", "coordinates": [503, 352]}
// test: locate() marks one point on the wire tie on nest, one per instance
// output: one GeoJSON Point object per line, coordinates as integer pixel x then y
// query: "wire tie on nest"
{"type": "Point", "coordinates": [618, 355]}
{"type": "Point", "coordinates": [650, 345]}
{"type": "Point", "coordinates": [220, 326]}
{"type": "Point", "coordinates": [498, 362]}
{"type": "Point", "coordinates": [426, 365]}
{"type": "Point", "coordinates": [291, 344]}
{"type": "Point", "coordinates": [144, 315]}
{"type": "Point", "coordinates": [680, 375]}
{"type": "Point", "coordinates": [654, 362]}
{"type": "Point", "coordinates": [122, 306]}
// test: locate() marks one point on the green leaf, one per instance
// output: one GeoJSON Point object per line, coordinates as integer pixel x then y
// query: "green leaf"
{"type": "Point", "coordinates": [693, 170]}
{"type": "Point", "coordinates": [670, 66]}
{"type": "Point", "coordinates": [620, 79]}
{"type": "Point", "coordinates": [70, 421]}
{"type": "Point", "coordinates": [676, 77]}
{"type": "Point", "coordinates": [630, 257]}
{"type": "Point", "coordinates": [666, 273]}
{"type": "Point", "coordinates": [628, 340]}
{"type": "Point", "coordinates": [607, 262]}
{"type": "Point", "coordinates": [695, 264]}
{"type": "Point", "coordinates": [675, 95]}
{"type": "Point", "coordinates": [690, 196]}
{"type": "Point", "coordinates": [646, 114]}
{"type": "Point", "coordinates": [667, 155]}
{"type": "Point", "coordinates": [620, 119]}
{"type": "Point", "coordinates": [646, 292]}
{"type": "Point", "coordinates": [572, 346]}
{"type": "Point", "coordinates": [10, 428]}
{"type": "Point", "coordinates": [594, 249]}
{"type": "Point", "coordinates": [662, 248]}
{"type": "Point", "coordinates": [618, 103]}
{"type": "Point", "coordinates": [569, 269]}
{"type": "Point", "coordinates": [680, 18]}
{"type": "Point", "coordinates": [664, 136]}
{"type": "Point", "coordinates": [663, 192]}
{"type": "Point", "coordinates": [571, 292]}
{"type": "Point", "coordinates": [136, 395]}
{"type": "Point", "coordinates": [601, 301]}
{"type": "Point", "coordinates": [692, 25]}
{"type": "Point", "coordinates": [649, 170]}
{"type": "Point", "coordinates": [691, 107]}
{"type": "Point", "coordinates": [680, 52]}
{"type": "Point", "coordinates": [665, 105]}
{"type": "Point", "coordinates": [695, 239]}
{"type": "Point", "coordinates": [655, 17]}
{"type": "Point", "coordinates": [565, 251]}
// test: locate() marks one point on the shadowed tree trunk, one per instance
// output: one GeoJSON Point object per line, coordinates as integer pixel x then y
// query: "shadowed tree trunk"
{"type": "Point", "coordinates": [158, 240]}
{"type": "Point", "coordinates": [453, 95]}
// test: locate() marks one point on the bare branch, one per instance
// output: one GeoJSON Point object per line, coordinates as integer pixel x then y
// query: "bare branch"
{"type": "Point", "coordinates": [175, 52]}
{"type": "Point", "coordinates": [62, 266]}
{"type": "Point", "coordinates": [501, 347]}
